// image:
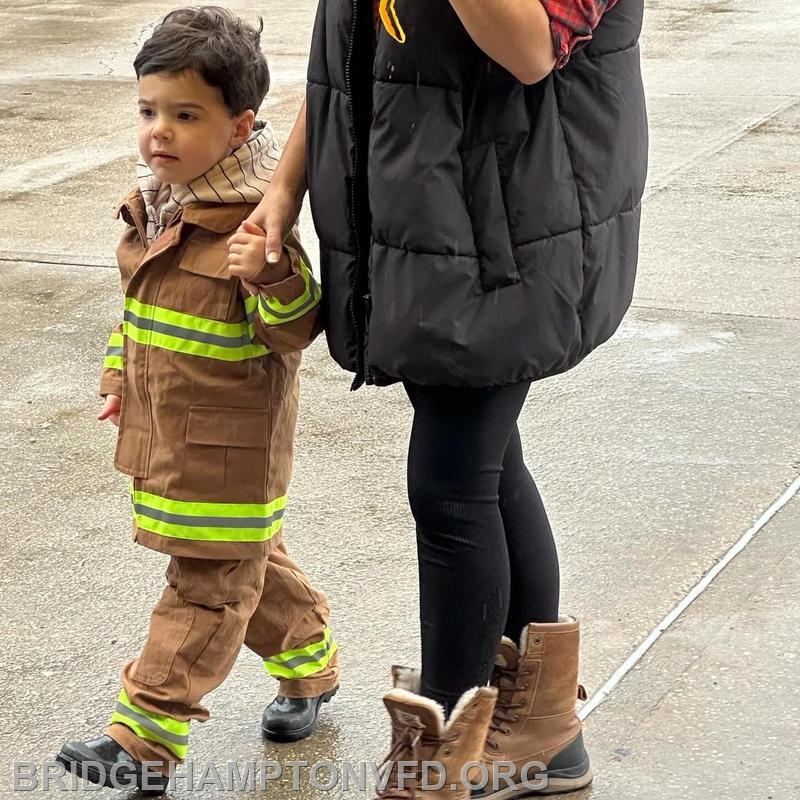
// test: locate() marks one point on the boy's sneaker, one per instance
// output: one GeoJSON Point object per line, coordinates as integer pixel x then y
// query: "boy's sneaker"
{"type": "Point", "coordinates": [289, 719]}
{"type": "Point", "coordinates": [104, 762]}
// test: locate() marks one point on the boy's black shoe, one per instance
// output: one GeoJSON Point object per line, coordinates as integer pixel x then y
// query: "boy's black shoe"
{"type": "Point", "coordinates": [103, 761]}
{"type": "Point", "coordinates": [289, 719]}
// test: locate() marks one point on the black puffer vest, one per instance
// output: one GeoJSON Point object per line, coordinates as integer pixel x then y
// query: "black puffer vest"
{"type": "Point", "coordinates": [473, 231]}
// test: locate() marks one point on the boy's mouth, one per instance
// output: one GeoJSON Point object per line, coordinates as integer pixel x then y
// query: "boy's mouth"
{"type": "Point", "coordinates": [164, 157]}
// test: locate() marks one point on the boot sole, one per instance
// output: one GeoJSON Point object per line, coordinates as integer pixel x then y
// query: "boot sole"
{"type": "Point", "coordinates": [284, 737]}
{"type": "Point", "coordinates": [76, 763]}
{"type": "Point", "coordinates": [555, 785]}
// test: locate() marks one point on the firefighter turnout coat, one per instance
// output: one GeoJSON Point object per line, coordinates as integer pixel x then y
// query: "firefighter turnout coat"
{"type": "Point", "coordinates": [208, 376]}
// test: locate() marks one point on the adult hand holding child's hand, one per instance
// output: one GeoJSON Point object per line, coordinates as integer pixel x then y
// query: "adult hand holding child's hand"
{"type": "Point", "coordinates": [247, 258]}
{"type": "Point", "coordinates": [279, 209]}
{"type": "Point", "coordinates": [276, 214]}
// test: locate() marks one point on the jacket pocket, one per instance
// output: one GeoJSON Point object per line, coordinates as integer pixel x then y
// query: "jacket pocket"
{"type": "Point", "coordinates": [490, 225]}
{"type": "Point", "coordinates": [203, 284]}
{"type": "Point", "coordinates": [226, 454]}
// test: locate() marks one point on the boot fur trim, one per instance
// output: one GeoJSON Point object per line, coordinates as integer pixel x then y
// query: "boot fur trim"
{"type": "Point", "coordinates": [464, 701]}
{"type": "Point", "coordinates": [523, 639]}
{"type": "Point", "coordinates": [412, 699]}
{"type": "Point", "coordinates": [409, 698]}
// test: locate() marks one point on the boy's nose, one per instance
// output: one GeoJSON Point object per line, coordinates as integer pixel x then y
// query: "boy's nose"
{"type": "Point", "coordinates": [161, 131]}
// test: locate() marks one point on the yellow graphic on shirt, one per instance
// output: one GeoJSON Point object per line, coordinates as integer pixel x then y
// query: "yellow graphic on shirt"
{"type": "Point", "coordinates": [390, 21]}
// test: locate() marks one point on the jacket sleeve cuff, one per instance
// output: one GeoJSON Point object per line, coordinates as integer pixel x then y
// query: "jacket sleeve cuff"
{"type": "Point", "coordinates": [113, 364]}
{"type": "Point", "coordinates": [291, 298]}
{"type": "Point", "coordinates": [111, 382]}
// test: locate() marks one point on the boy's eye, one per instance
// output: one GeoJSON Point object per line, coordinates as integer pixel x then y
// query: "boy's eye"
{"type": "Point", "coordinates": [184, 115]}
{"type": "Point", "coordinates": [146, 112]}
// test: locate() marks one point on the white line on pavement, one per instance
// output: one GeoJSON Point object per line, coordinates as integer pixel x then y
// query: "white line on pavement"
{"type": "Point", "coordinates": [58, 259]}
{"type": "Point", "coordinates": [699, 158]}
{"type": "Point", "coordinates": [604, 691]}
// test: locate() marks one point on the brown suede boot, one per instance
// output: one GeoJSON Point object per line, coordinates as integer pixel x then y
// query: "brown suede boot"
{"type": "Point", "coordinates": [535, 719]}
{"type": "Point", "coordinates": [420, 734]}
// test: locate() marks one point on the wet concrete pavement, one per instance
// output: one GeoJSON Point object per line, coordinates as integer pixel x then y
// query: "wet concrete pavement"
{"type": "Point", "coordinates": [654, 457]}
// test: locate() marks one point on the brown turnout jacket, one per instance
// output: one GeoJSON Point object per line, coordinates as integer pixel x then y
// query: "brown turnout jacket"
{"type": "Point", "coordinates": [209, 384]}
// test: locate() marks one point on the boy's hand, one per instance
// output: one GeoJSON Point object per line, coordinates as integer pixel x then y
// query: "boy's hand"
{"type": "Point", "coordinates": [247, 257]}
{"type": "Point", "coordinates": [111, 409]}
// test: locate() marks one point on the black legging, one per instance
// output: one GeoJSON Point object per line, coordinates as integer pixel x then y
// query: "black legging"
{"type": "Point", "coordinates": [487, 560]}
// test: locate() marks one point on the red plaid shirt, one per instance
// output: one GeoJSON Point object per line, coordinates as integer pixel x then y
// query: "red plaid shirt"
{"type": "Point", "coordinates": [571, 23]}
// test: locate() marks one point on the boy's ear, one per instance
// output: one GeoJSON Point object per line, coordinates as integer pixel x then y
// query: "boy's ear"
{"type": "Point", "coordinates": [243, 127]}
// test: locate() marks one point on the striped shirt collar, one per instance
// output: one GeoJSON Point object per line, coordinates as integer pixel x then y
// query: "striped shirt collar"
{"type": "Point", "coordinates": [241, 177]}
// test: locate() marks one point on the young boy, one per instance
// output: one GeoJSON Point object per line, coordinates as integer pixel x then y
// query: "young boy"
{"type": "Point", "coordinates": [201, 378]}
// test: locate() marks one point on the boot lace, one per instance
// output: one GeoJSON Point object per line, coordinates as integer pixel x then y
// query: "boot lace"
{"type": "Point", "coordinates": [505, 679]}
{"type": "Point", "coordinates": [405, 749]}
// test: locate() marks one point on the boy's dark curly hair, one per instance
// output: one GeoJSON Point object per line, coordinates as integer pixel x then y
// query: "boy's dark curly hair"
{"type": "Point", "coordinates": [217, 45]}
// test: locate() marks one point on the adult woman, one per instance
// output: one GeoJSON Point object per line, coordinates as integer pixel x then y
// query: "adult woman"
{"type": "Point", "coordinates": [478, 215]}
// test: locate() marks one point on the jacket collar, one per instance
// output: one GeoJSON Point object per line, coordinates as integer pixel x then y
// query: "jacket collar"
{"type": "Point", "coordinates": [214, 217]}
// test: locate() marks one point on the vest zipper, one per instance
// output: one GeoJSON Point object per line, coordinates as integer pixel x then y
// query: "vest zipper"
{"type": "Point", "coordinates": [360, 326]}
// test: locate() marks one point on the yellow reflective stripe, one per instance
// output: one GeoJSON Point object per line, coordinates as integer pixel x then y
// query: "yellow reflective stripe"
{"type": "Point", "coordinates": [218, 522]}
{"type": "Point", "coordinates": [303, 671]}
{"type": "Point", "coordinates": [114, 351]}
{"type": "Point", "coordinates": [181, 320]}
{"type": "Point", "coordinates": [172, 733]}
{"type": "Point", "coordinates": [208, 534]}
{"type": "Point", "coordinates": [169, 725]}
{"type": "Point", "coordinates": [113, 362]}
{"type": "Point", "coordinates": [187, 347]}
{"type": "Point", "coordinates": [273, 312]}
{"type": "Point", "coordinates": [304, 661]}
{"type": "Point", "coordinates": [190, 508]}
{"type": "Point", "coordinates": [288, 308]}
{"type": "Point", "coordinates": [251, 308]}
{"type": "Point", "coordinates": [390, 21]}
{"type": "Point", "coordinates": [310, 649]}
{"type": "Point", "coordinates": [155, 326]}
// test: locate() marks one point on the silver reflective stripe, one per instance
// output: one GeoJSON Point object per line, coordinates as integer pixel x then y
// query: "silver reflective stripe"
{"type": "Point", "coordinates": [299, 661]}
{"type": "Point", "coordinates": [148, 723]}
{"type": "Point", "coordinates": [187, 333]}
{"type": "Point", "coordinates": [209, 522]}
{"type": "Point", "coordinates": [114, 351]}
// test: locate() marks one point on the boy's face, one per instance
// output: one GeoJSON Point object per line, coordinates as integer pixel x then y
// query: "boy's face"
{"type": "Point", "coordinates": [185, 127]}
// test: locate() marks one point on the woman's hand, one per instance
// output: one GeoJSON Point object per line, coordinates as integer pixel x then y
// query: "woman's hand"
{"type": "Point", "coordinates": [276, 215]}
{"type": "Point", "coordinates": [280, 207]}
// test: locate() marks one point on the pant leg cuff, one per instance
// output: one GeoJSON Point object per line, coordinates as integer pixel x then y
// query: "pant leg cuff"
{"type": "Point", "coordinates": [141, 749]}
{"type": "Point", "coordinates": [312, 686]}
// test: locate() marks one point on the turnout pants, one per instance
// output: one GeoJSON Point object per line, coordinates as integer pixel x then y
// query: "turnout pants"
{"type": "Point", "coordinates": [209, 608]}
